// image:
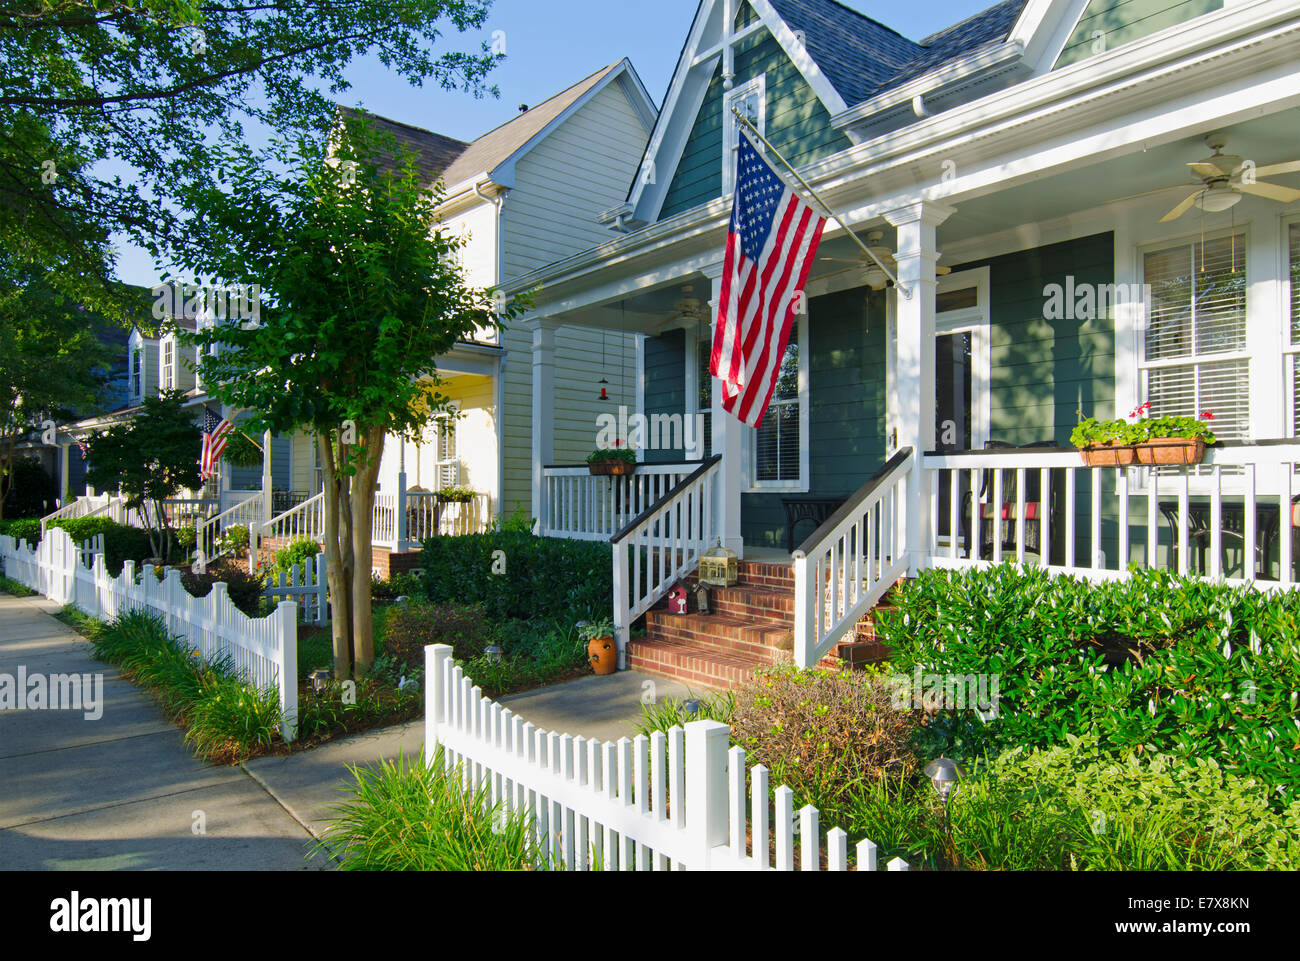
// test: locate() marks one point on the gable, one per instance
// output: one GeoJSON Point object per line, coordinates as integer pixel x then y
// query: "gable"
{"type": "Point", "coordinates": [798, 123]}
{"type": "Point", "coordinates": [1107, 24]}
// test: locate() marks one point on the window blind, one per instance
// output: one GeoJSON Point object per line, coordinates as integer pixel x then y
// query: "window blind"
{"type": "Point", "coordinates": [776, 445]}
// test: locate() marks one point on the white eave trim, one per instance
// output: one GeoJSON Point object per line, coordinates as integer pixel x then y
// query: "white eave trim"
{"type": "Point", "coordinates": [1005, 56]}
{"type": "Point", "coordinates": [1006, 112]}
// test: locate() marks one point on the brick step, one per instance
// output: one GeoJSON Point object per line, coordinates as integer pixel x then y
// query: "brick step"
{"type": "Point", "coordinates": [754, 602]}
{"type": "Point", "coordinates": [756, 639]}
{"type": "Point", "coordinates": [761, 574]}
{"type": "Point", "coordinates": [696, 667]}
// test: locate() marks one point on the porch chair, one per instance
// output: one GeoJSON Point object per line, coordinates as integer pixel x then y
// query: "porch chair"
{"type": "Point", "coordinates": [1006, 521]}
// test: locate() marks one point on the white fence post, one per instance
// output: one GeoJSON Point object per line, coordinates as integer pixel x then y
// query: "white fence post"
{"type": "Point", "coordinates": [435, 698]}
{"type": "Point", "coordinates": [622, 619]}
{"type": "Point", "coordinates": [288, 631]}
{"type": "Point", "coordinates": [399, 522]}
{"type": "Point", "coordinates": [706, 790]}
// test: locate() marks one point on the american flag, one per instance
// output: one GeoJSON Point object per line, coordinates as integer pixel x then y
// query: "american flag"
{"type": "Point", "coordinates": [771, 246]}
{"type": "Point", "coordinates": [84, 448]}
{"type": "Point", "coordinates": [215, 430]}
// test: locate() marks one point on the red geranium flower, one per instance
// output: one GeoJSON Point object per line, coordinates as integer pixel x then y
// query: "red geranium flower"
{"type": "Point", "coordinates": [1207, 415]}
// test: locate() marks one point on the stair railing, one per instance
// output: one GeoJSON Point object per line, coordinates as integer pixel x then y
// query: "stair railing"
{"type": "Point", "coordinates": [661, 546]}
{"type": "Point", "coordinates": [848, 564]}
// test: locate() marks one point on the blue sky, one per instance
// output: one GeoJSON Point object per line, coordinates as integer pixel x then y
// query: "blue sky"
{"type": "Point", "coordinates": [551, 44]}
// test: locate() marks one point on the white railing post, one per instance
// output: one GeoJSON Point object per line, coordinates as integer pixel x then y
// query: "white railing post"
{"type": "Point", "coordinates": [287, 611]}
{"type": "Point", "coordinates": [805, 613]}
{"type": "Point", "coordinates": [706, 791]}
{"type": "Point", "coordinates": [435, 697]}
{"type": "Point", "coordinates": [399, 521]}
{"type": "Point", "coordinates": [622, 612]}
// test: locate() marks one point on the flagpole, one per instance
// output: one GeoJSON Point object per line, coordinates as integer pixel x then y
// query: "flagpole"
{"type": "Point", "coordinates": [905, 291]}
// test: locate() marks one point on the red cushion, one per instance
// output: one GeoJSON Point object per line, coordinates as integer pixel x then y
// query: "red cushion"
{"type": "Point", "coordinates": [1009, 511]}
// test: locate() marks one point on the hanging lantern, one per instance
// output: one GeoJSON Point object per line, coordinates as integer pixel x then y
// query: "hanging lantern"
{"type": "Point", "coordinates": [719, 567]}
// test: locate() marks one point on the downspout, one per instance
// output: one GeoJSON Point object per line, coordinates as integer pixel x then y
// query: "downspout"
{"type": "Point", "coordinates": [498, 260]}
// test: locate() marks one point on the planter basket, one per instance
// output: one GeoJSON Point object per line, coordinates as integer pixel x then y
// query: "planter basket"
{"type": "Point", "coordinates": [607, 467]}
{"type": "Point", "coordinates": [1171, 451]}
{"type": "Point", "coordinates": [1108, 456]}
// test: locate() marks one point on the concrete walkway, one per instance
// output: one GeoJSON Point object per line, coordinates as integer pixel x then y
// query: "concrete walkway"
{"type": "Point", "coordinates": [123, 791]}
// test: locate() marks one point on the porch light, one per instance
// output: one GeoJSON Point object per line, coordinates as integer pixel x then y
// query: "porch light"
{"type": "Point", "coordinates": [944, 775]}
{"type": "Point", "coordinates": [1217, 201]}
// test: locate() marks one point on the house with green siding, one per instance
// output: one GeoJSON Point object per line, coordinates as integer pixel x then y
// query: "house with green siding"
{"type": "Point", "coordinates": [1053, 210]}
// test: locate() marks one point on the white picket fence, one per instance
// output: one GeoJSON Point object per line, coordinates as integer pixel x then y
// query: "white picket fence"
{"type": "Point", "coordinates": [263, 650]}
{"type": "Point", "coordinates": [676, 800]}
{"type": "Point", "coordinates": [306, 584]}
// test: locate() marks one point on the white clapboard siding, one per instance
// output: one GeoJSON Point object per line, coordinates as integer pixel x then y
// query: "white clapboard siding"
{"type": "Point", "coordinates": [677, 800]}
{"type": "Point", "coordinates": [580, 169]}
{"type": "Point", "coordinates": [263, 650]}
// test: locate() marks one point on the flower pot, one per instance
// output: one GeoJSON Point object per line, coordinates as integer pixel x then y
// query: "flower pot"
{"type": "Point", "coordinates": [608, 467]}
{"type": "Point", "coordinates": [1171, 451]}
{"type": "Point", "coordinates": [603, 654]}
{"type": "Point", "coordinates": [1108, 455]}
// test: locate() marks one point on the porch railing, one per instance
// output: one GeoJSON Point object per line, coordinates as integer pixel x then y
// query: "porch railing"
{"type": "Point", "coordinates": [1230, 519]}
{"type": "Point", "coordinates": [661, 546]}
{"type": "Point", "coordinates": [427, 517]}
{"type": "Point", "coordinates": [580, 505]}
{"type": "Point", "coordinates": [83, 506]}
{"type": "Point", "coordinates": [848, 564]}
{"type": "Point", "coordinates": [303, 520]}
{"type": "Point", "coordinates": [245, 513]}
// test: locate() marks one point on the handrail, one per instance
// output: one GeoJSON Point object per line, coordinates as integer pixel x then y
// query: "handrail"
{"type": "Point", "coordinates": [866, 490]}
{"type": "Point", "coordinates": [658, 505]}
{"type": "Point", "coordinates": [849, 563]}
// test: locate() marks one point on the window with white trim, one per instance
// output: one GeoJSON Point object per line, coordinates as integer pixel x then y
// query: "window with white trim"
{"type": "Point", "coordinates": [698, 426]}
{"type": "Point", "coordinates": [1195, 355]}
{"type": "Point", "coordinates": [751, 100]}
{"type": "Point", "coordinates": [168, 365]}
{"type": "Point", "coordinates": [778, 450]}
{"type": "Point", "coordinates": [137, 372]}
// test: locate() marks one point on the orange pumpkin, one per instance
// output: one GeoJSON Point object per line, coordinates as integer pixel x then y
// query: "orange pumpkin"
{"type": "Point", "coordinates": [603, 654]}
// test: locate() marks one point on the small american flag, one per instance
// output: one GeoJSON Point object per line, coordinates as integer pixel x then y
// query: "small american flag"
{"type": "Point", "coordinates": [215, 430]}
{"type": "Point", "coordinates": [84, 448]}
{"type": "Point", "coordinates": [771, 245]}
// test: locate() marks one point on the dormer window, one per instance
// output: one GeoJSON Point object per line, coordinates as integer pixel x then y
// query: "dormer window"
{"type": "Point", "coordinates": [137, 372]}
{"type": "Point", "coordinates": [168, 377]}
{"type": "Point", "coordinates": [751, 100]}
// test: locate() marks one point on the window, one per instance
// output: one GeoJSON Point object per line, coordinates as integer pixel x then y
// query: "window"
{"type": "Point", "coordinates": [697, 431]}
{"type": "Point", "coordinates": [751, 100]}
{"type": "Point", "coordinates": [137, 372]}
{"type": "Point", "coordinates": [778, 449]}
{"type": "Point", "coordinates": [168, 364]}
{"type": "Point", "coordinates": [1195, 355]}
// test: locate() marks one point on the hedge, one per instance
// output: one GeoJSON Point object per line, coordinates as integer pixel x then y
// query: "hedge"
{"type": "Point", "coordinates": [543, 577]}
{"type": "Point", "coordinates": [1154, 663]}
{"type": "Point", "coordinates": [121, 543]}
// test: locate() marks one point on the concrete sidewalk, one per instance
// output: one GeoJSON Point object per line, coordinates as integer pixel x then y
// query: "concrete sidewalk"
{"type": "Point", "coordinates": [122, 791]}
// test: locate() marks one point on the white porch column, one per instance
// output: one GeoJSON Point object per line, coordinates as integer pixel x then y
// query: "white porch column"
{"type": "Point", "coordinates": [728, 434]}
{"type": "Point", "coordinates": [918, 255]}
{"type": "Point", "coordinates": [65, 464]}
{"type": "Point", "coordinates": [543, 412]}
{"type": "Point", "coordinates": [266, 477]}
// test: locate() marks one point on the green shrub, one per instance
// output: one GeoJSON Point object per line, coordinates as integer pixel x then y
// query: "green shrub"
{"type": "Point", "coordinates": [28, 530]}
{"type": "Point", "coordinates": [1170, 665]}
{"type": "Point", "coordinates": [294, 553]}
{"type": "Point", "coordinates": [410, 627]}
{"type": "Point", "coordinates": [822, 732]}
{"type": "Point", "coordinates": [544, 577]}
{"type": "Point", "coordinates": [399, 585]}
{"type": "Point", "coordinates": [121, 542]}
{"type": "Point", "coordinates": [234, 539]}
{"type": "Point", "coordinates": [406, 816]}
{"type": "Point", "coordinates": [244, 589]}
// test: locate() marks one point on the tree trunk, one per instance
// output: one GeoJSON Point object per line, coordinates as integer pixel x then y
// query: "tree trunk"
{"type": "Point", "coordinates": [340, 584]}
{"type": "Point", "coordinates": [363, 502]}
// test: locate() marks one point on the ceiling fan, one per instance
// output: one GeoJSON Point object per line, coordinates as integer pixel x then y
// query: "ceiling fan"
{"type": "Point", "coordinates": [690, 309]}
{"type": "Point", "coordinates": [1224, 181]}
{"type": "Point", "coordinates": [875, 278]}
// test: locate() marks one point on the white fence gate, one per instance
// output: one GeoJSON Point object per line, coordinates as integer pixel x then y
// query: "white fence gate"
{"type": "Point", "coordinates": [306, 581]}
{"type": "Point", "coordinates": [263, 650]}
{"type": "Point", "coordinates": [674, 800]}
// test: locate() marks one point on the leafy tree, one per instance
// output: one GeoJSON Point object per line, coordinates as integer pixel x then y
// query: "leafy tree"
{"type": "Point", "coordinates": [363, 296]}
{"type": "Point", "coordinates": [151, 458]}
{"type": "Point", "coordinates": [159, 86]}
{"type": "Point", "coordinates": [50, 361]}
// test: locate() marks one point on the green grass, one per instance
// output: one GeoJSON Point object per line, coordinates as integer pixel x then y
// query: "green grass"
{"type": "Point", "coordinates": [669, 712]}
{"type": "Point", "coordinates": [8, 586]}
{"type": "Point", "coordinates": [405, 816]}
